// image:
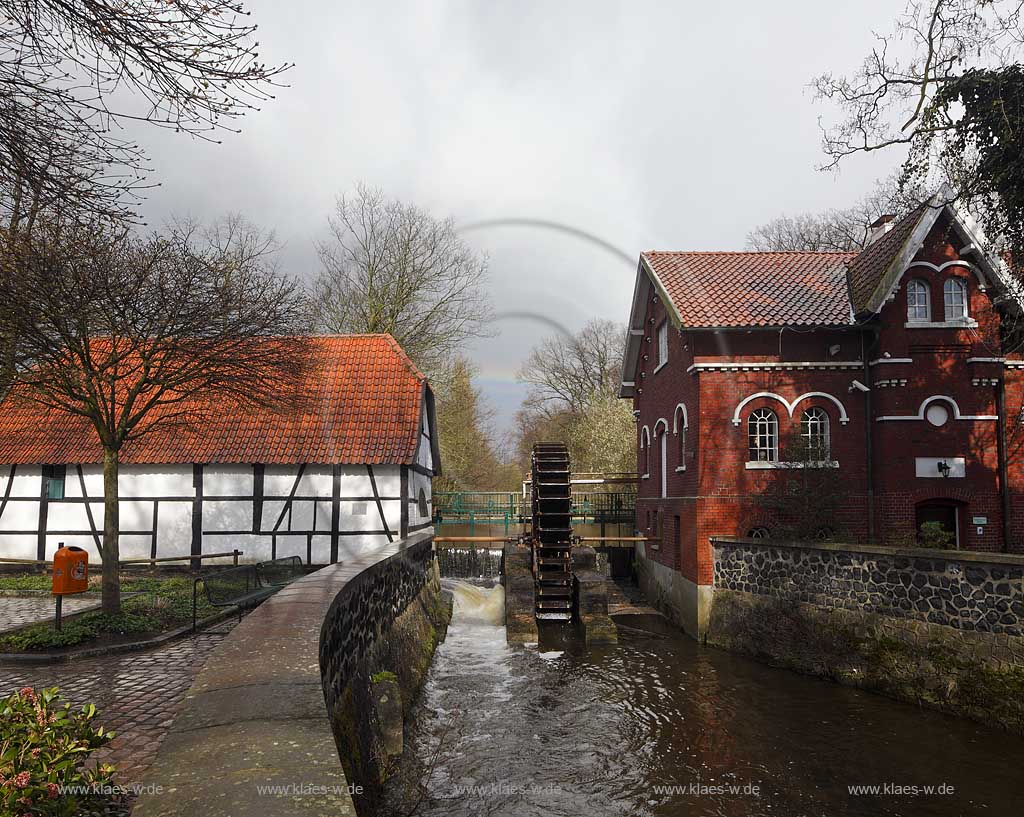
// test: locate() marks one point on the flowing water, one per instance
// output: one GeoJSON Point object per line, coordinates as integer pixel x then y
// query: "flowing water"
{"type": "Point", "coordinates": [657, 726]}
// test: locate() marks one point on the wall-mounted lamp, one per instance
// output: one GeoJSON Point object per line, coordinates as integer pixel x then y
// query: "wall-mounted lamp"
{"type": "Point", "coordinates": [944, 468]}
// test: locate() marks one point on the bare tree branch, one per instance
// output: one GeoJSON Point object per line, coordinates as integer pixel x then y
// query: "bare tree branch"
{"type": "Point", "coordinates": [391, 267]}
{"type": "Point", "coordinates": [74, 72]}
{"type": "Point", "coordinates": [140, 334]}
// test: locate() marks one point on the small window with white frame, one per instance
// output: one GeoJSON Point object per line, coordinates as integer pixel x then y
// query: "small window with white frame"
{"type": "Point", "coordinates": [763, 435]}
{"type": "Point", "coordinates": [954, 299]}
{"type": "Point", "coordinates": [919, 308]}
{"type": "Point", "coordinates": [663, 344]}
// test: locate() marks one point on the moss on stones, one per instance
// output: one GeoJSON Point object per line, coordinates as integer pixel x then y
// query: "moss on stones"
{"type": "Point", "coordinates": [400, 657]}
{"type": "Point", "coordinates": [910, 661]}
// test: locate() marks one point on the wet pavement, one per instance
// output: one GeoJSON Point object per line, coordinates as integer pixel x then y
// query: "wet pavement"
{"type": "Point", "coordinates": [137, 693]}
{"type": "Point", "coordinates": [18, 611]}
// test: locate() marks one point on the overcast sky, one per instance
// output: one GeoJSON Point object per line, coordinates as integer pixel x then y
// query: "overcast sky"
{"type": "Point", "coordinates": [672, 126]}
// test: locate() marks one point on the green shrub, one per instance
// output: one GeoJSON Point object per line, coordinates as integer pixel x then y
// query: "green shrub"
{"type": "Point", "coordinates": [933, 535]}
{"type": "Point", "coordinates": [163, 604]}
{"type": "Point", "coordinates": [44, 746]}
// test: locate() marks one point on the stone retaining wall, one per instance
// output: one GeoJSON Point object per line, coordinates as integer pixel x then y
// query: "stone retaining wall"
{"type": "Point", "coordinates": [312, 675]}
{"type": "Point", "coordinates": [935, 628]}
{"type": "Point", "coordinates": [376, 645]}
{"type": "Point", "coordinates": [964, 590]}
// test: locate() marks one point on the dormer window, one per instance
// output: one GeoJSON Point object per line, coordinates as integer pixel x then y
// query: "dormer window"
{"type": "Point", "coordinates": [954, 298]}
{"type": "Point", "coordinates": [919, 309]}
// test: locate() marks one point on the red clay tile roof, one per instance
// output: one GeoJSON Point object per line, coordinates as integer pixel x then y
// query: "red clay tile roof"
{"type": "Point", "coordinates": [867, 269]}
{"type": "Point", "coordinates": [755, 288]}
{"type": "Point", "coordinates": [363, 406]}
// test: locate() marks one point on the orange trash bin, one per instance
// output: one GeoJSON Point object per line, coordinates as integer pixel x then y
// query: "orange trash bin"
{"type": "Point", "coordinates": [70, 571]}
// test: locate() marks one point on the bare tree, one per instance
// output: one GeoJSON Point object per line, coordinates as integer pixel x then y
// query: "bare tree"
{"type": "Point", "coordinates": [948, 87]}
{"type": "Point", "coordinates": [836, 230]}
{"type": "Point", "coordinates": [138, 334]}
{"type": "Point", "coordinates": [566, 372]}
{"type": "Point", "coordinates": [464, 430]}
{"type": "Point", "coordinates": [573, 398]}
{"type": "Point", "coordinates": [392, 267]}
{"type": "Point", "coordinates": [74, 72]}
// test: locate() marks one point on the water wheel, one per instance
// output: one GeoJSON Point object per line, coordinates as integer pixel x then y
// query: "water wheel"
{"type": "Point", "coordinates": [552, 531]}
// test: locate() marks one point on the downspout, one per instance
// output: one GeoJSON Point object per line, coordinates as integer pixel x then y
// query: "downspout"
{"type": "Point", "coordinates": [1004, 479]}
{"type": "Point", "coordinates": [868, 447]}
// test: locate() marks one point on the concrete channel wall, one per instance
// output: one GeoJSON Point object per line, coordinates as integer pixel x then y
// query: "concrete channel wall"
{"type": "Point", "coordinates": [310, 678]}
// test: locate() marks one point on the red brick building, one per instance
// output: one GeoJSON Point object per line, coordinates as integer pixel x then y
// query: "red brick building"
{"type": "Point", "coordinates": [898, 366]}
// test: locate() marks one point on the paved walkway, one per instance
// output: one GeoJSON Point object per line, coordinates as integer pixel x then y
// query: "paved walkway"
{"type": "Point", "coordinates": [17, 612]}
{"type": "Point", "coordinates": [137, 693]}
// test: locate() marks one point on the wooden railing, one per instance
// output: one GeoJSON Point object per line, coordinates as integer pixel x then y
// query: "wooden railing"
{"type": "Point", "coordinates": [48, 562]}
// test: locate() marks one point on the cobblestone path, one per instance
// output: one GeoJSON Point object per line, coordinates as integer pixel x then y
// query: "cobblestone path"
{"type": "Point", "coordinates": [137, 693]}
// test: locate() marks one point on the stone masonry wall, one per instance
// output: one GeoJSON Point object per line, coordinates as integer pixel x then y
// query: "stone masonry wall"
{"type": "Point", "coordinates": [934, 628]}
{"type": "Point", "coordinates": [967, 591]}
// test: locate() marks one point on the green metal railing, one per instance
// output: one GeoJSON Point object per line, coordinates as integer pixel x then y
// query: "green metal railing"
{"type": "Point", "coordinates": [510, 509]}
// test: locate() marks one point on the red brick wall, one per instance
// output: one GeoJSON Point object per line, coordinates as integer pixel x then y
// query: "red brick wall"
{"type": "Point", "coordinates": [717, 495]}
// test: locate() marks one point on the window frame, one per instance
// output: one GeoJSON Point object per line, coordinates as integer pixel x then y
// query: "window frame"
{"type": "Point", "coordinates": [55, 475]}
{"type": "Point", "coordinates": [912, 286]}
{"type": "Point", "coordinates": [645, 453]}
{"type": "Point", "coordinates": [680, 425]}
{"type": "Point", "coordinates": [757, 418]}
{"type": "Point", "coordinates": [661, 334]}
{"type": "Point", "coordinates": [821, 418]}
{"type": "Point", "coordinates": [955, 284]}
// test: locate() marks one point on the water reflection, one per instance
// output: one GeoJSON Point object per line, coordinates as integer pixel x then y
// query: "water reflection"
{"type": "Point", "coordinates": [664, 727]}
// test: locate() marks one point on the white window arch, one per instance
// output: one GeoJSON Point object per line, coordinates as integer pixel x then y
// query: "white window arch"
{"type": "Point", "coordinates": [814, 429]}
{"type": "Point", "coordinates": [954, 299]}
{"type": "Point", "coordinates": [763, 435]}
{"type": "Point", "coordinates": [919, 301]}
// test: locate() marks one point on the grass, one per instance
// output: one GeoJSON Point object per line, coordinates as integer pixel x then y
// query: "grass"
{"type": "Point", "coordinates": [25, 581]}
{"type": "Point", "coordinates": [163, 604]}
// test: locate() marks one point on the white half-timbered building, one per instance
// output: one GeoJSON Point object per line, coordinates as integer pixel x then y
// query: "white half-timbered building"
{"type": "Point", "coordinates": [349, 472]}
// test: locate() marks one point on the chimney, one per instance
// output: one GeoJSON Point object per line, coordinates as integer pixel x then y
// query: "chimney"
{"type": "Point", "coordinates": [880, 226]}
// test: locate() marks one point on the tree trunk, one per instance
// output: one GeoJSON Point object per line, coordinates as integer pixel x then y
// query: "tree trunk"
{"type": "Point", "coordinates": [111, 533]}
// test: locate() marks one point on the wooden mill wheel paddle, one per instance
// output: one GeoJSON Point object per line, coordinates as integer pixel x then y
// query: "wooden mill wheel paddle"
{"type": "Point", "coordinates": [552, 531]}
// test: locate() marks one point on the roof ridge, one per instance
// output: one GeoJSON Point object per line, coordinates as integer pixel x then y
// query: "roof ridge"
{"type": "Point", "coordinates": [751, 252]}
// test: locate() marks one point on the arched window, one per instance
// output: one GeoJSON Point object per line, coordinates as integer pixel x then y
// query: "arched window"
{"type": "Point", "coordinates": [759, 532]}
{"type": "Point", "coordinates": [763, 435]}
{"type": "Point", "coordinates": [421, 504]}
{"type": "Point", "coordinates": [954, 298]}
{"type": "Point", "coordinates": [645, 452]}
{"type": "Point", "coordinates": [815, 432]}
{"type": "Point", "coordinates": [664, 461]}
{"type": "Point", "coordinates": [919, 307]}
{"type": "Point", "coordinates": [679, 424]}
